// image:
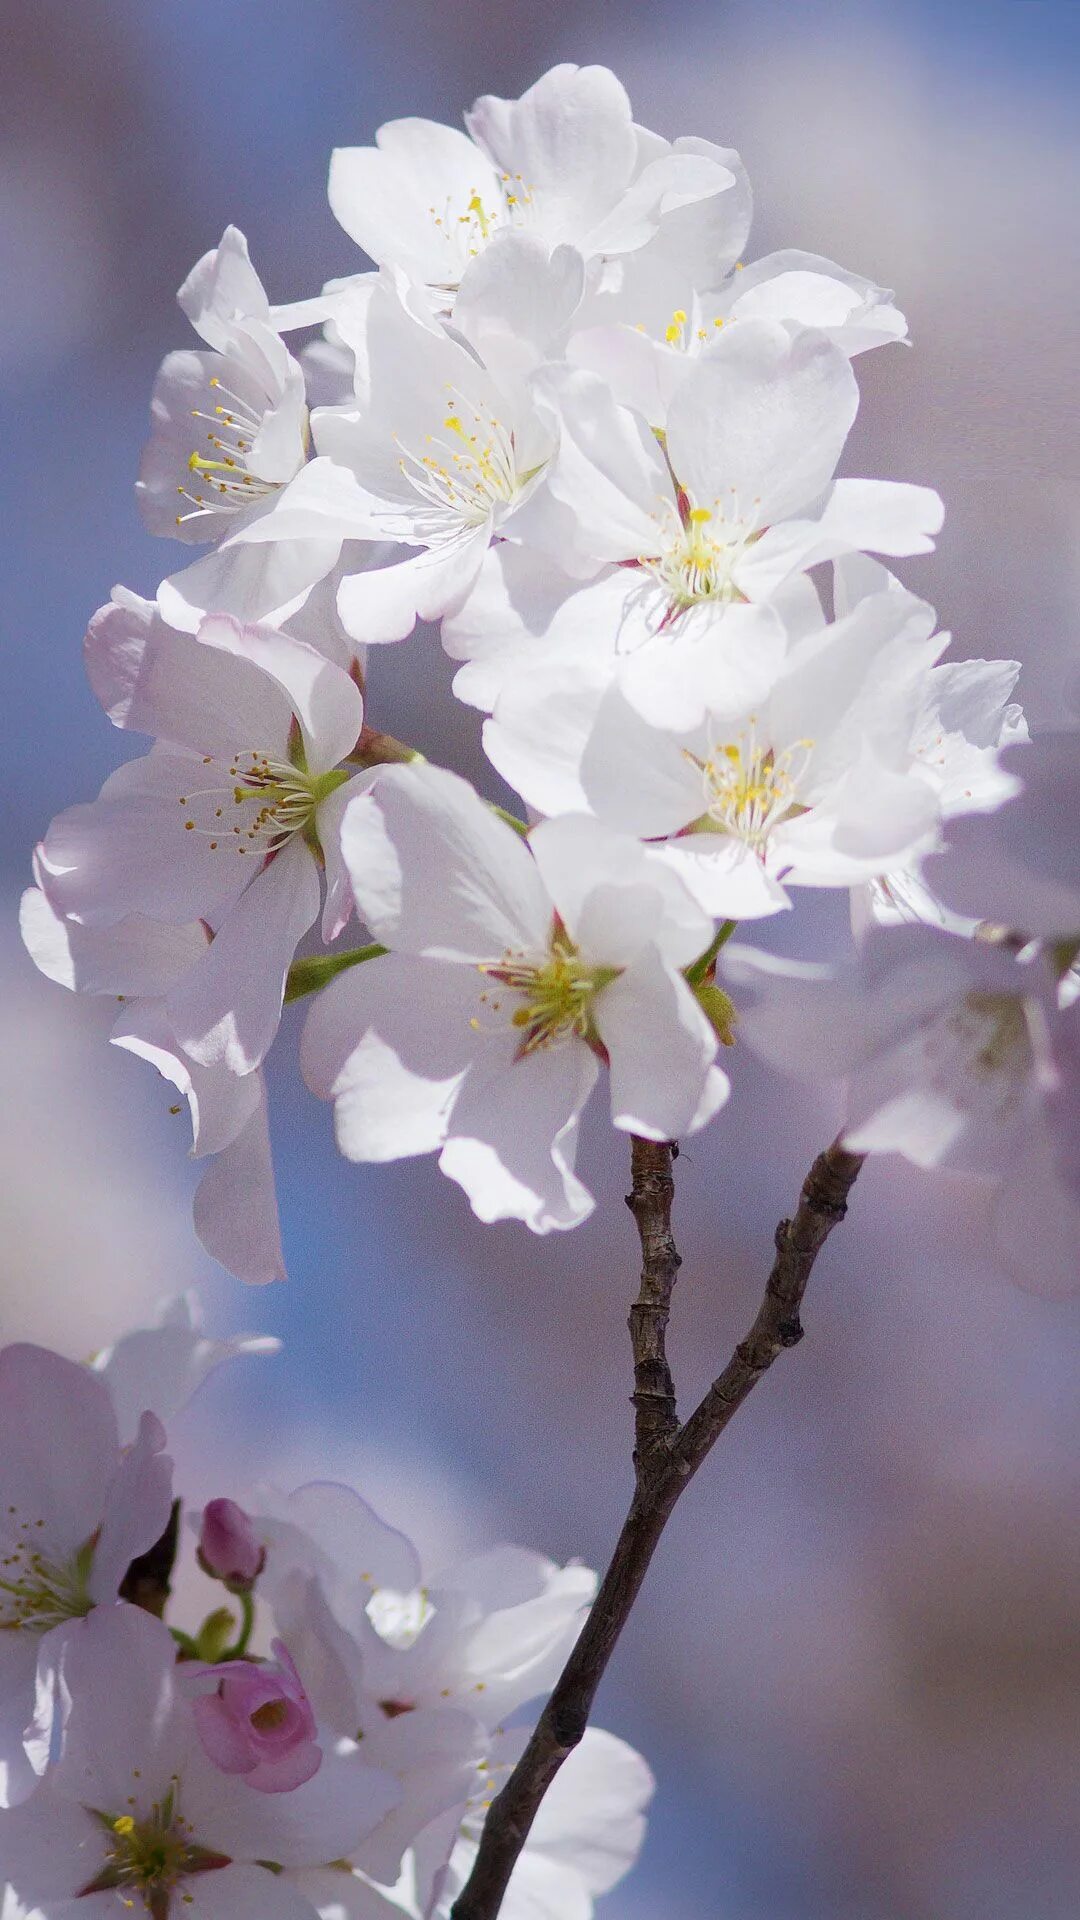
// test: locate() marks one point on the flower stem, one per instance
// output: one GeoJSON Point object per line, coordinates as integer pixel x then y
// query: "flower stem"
{"type": "Point", "coordinates": [247, 1622]}
{"type": "Point", "coordinates": [701, 968]}
{"type": "Point", "coordinates": [308, 975]}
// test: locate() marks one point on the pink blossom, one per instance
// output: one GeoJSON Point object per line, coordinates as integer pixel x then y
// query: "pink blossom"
{"type": "Point", "coordinates": [228, 1547]}
{"type": "Point", "coordinates": [258, 1722]}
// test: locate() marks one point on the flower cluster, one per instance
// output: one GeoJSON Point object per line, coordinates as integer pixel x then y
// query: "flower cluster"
{"type": "Point", "coordinates": [565, 419]}
{"type": "Point", "coordinates": [326, 1742]}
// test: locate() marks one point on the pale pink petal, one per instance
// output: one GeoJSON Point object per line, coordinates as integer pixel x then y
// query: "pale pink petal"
{"type": "Point", "coordinates": [235, 1208]}
{"type": "Point", "coordinates": [229, 1006]}
{"type": "Point", "coordinates": [136, 1508]}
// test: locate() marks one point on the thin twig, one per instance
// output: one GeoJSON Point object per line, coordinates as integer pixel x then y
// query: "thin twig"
{"type": "Point", "coordinates": [666, 1458]}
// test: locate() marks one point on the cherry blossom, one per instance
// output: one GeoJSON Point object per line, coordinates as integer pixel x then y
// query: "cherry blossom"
{"type": "Point", "coordinates": [231, 819]}
{"type": "Point", "coordinates": [646, 327]}
{"type": "Point", "coordinates": [229, 427]}
{"type": "Point", "coordinates": [585, 1838]}
{"type": "Point", "coordinates": [514, 971]}
{"type": "Point", "coordinates": [956, 1054]}
{"type": "Point", "coordinates": [136, 1810]}
{"type": "Point", "coordinates": [162, 1367]}
{"type": "Point", "coordinates": [765, 768]}
{"type": "Point", "coordinates": [75, 1510]}
{"type": "Point", "coordinates": [254, 1719]}
{"type": "Point", "coordinates": [424, 1669]}
{"type": "Point", "coordinates": [229, 1549]}
{"type": "Point", "coordinates": [742, 495]}
{"type": "Point", "coordinates": [565, 162]}
{"type": "Point", "coordinates": [443, 444]}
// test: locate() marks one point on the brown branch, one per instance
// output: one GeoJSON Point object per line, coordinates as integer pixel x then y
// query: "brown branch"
{"type": "Point", "coordinates": [666, 1458]}
{"type": "Point", "coordinates": [649, 1200]}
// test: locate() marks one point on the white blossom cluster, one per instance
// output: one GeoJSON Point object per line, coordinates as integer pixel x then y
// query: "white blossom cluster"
{"type": "Point", "coordinates": [564, 418]}
{"type": "Point", "coordinates": [325, 1742]}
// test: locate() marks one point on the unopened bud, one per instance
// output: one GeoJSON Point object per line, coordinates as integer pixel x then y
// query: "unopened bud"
{"type": "Point", "coordinates": [228, 1547]}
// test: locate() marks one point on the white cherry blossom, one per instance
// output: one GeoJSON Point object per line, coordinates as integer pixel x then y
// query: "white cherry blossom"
{"type": "Point", "coordinates": [443, 445]}
{"type": "Point", "coordinates": [646, 327]}
{"type": "Point", "coordinates": [231, 819]}
{"type": "Point", "coordinates": [513, 971]}
{"type": "Point", "coordinates": [565, 162]}
{"type": "Point", "coordinates": [420, 1670]}
{"type": "Point", "coordinates": [229, 427]}
{"type": "Point", "coordinates": [956, 1054]}
{"type": "Point", "coordinates": [75, 1509]}
{"type": "Point", "coordinates": [486, 1636]}
{"type": "Point", "coordinates": [162, 1367]}
{"type": "Point", "coordinates": [584, 1839]}
{"type": "Point", "coordinates": [741, 496]}
{"type": "Point", "coordinates": [136, 1812]}
{"type": "Point", "coordinates": [1020, 869]}
{"type": "Point", "coordinates": [811, 781]}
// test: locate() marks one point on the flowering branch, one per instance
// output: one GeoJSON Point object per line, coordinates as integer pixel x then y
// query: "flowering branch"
{"type": "Point", "coordinates": [665, 1459]}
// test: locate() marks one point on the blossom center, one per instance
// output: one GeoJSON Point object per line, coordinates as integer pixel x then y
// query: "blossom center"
{"type": "Point", "coordinates": [699, 549]}
{"type": "Point", "coordinates": [37, 1593]}
{"type": "Point", "coordinates": [148, 1856]}
{"type": "Point", "coordinates": [551, 1000]}
{"type": "Point", "coordinates": [682, 332]}
{"type": "Point", "coordinates": [995, 1027]}
{"type": "Point", "coordinates": [256, 803]}
{"type": "Point", "coordinates": [467, 471]}
{"type": "Point", "coordinates": [219, 478]}
{"type": "Point", "coordinates": [271, 1715]}
{"type": "Point", "coordinates": [467, 228]}
{"type": "Point", "coordinates": [750, 787]}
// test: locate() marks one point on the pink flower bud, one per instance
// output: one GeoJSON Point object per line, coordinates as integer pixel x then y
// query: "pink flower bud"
{"type": "Point", "coordinates": [228, 1547]}
{"type": "Point", "coordinates": [258, 1722]}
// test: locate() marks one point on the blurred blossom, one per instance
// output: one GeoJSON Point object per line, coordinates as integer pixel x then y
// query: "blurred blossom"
{"type": "Point", "coordinates": [93, 1216]}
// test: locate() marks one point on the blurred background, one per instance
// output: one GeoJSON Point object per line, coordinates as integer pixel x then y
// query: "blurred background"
{"type": "Point", "coordinates": [856, 1665]}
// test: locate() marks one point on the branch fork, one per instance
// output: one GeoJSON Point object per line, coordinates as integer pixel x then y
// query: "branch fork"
{"type": "Point", "coordinates": [666, 1457]}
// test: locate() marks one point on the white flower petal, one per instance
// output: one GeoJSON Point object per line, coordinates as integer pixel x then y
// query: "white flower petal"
{"type": "Point", "coordinates": [514, 1134]}
{"type": "Point", "coordinates": [614, 895]}
{"type": "Point", "coordinates": [235, 1208]}
{"type": "Point", "coordinates": [762, 418]}
{"type": "Point", "coordinates": [662, 1049]}
{"type": "Point", "coordinates": [389, 1042]}
{"type": "Point", "coordinates": [435, 873]}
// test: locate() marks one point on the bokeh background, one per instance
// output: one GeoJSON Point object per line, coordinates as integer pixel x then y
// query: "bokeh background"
{"type": "Point", "coordinates": [856, 1665]}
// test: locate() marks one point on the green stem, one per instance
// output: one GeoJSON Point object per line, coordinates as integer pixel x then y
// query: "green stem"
{"type": "Point", "coordinates": [185, 1643]}
{"type": "Point", "coordinates": [308, 975]}
{"type": "Point", "coordinates": [247, 1622]}
{"type": "Point", "coordinates": [511, 819]}
{"type": "Point", "coordinates": [701, 968]}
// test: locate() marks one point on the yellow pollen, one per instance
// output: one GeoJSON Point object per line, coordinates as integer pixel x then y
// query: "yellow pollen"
{"type": "Point", "coordinates": [750, 787]}
{"type": "Point", "coordinates": [554, 995]}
